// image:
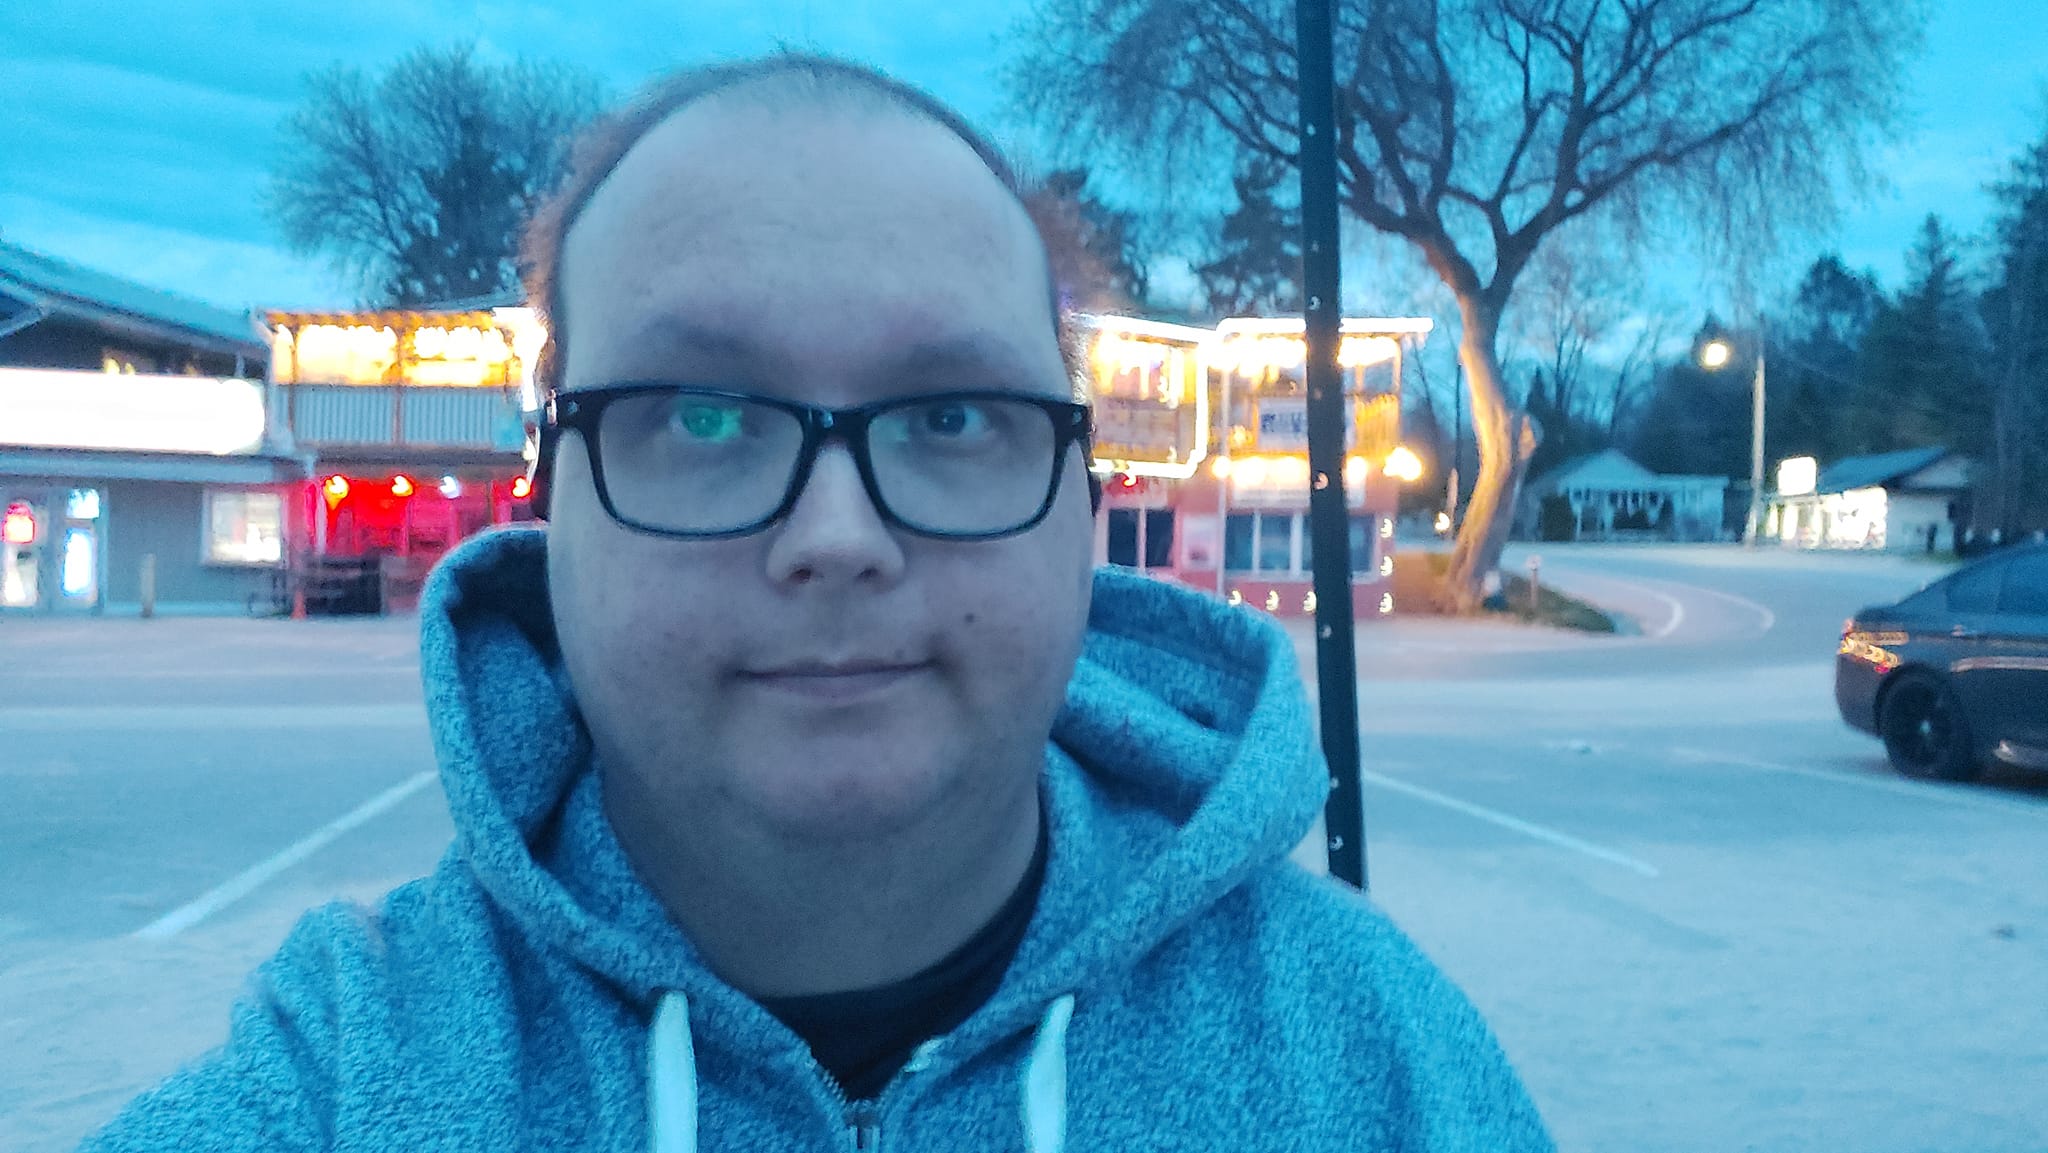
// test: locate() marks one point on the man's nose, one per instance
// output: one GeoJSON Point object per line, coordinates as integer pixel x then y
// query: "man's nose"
{"type": "Point", "coordinates": [835, 534]}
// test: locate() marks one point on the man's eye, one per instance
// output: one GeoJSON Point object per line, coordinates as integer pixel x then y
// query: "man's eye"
{"type": "Point", "coordinates": [953, 420]}
{"type": "Point", "coordinates": [716, 423]}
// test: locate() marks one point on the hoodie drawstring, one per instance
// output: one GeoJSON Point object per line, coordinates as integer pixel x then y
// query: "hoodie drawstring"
{"type": "Point", "coordinates": [672, 1079]}
{"type": "Point", "coordinates": [1045, 1082]}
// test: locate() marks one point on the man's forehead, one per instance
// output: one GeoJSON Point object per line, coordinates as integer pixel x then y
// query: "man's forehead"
{"type": "Point", "coordinates": [886, 216]}
{"type": "Point", "coordinates": [725, 166]}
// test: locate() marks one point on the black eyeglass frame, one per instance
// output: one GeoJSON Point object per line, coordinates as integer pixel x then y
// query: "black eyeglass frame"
{"type": "Point", "coordinates": [581, 410]}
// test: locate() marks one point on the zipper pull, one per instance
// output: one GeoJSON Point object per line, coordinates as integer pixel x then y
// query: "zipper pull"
{"type": "Point", "coordinates": [865, 1123]}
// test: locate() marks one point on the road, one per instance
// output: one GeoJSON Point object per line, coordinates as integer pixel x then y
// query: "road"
{"type": "Point", "coordinates": [1701, 913]}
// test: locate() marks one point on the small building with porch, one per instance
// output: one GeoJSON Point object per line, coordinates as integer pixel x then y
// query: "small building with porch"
{"type": "Point", "coordinates": [1607, 496]}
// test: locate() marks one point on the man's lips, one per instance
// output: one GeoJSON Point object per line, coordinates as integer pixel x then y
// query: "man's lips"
{"type": "Point", "coordinates": [835, 680]}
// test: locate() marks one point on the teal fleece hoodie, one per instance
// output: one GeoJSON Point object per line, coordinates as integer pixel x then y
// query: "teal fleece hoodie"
{"type": "Point", "coordinates": [1182, 986]}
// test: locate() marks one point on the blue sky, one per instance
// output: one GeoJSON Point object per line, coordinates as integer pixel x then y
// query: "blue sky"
{"type": "Point", "coordinates": [134, 136]}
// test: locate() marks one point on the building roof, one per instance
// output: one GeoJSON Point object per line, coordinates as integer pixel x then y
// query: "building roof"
{"type": "Point", "coordinates": [1877, 470]}
{"type": "Point", "coordinates": [1610, 469]}
{"type": "Point", "coordinates": [63, 288]}
{"type": "Point", "coordinates": [1613, 469]}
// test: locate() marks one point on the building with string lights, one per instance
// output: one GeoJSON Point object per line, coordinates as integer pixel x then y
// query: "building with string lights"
{"type": "Point", "coordinates": [1202, 442]}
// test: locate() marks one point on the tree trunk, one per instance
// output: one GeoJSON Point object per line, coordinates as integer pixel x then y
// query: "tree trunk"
{"type": "Point", "coordinates": [1506, 441]}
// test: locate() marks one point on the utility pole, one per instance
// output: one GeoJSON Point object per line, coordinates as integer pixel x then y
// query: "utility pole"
{"type": "Point", "coordinates": [1756, 447]}
{"type": "Point", "coordinates": [1329, 513]}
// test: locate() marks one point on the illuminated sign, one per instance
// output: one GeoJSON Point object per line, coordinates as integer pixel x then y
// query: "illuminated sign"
{"type": "Point", "coordinates": [1281, 481]}
{"type": "Point", "coordinates": [1798, 476]}
{"type": "Point", "coordinates": [51, 408]}
{"type": "Point", "coordinates": [1148, 385]}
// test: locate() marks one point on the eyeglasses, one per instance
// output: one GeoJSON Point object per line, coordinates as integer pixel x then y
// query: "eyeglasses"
{"type": "Point", "coordinates": [698, 463]}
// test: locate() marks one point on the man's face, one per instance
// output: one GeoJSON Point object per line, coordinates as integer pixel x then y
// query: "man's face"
{"type": "Point", "coordinates": [828, 677]}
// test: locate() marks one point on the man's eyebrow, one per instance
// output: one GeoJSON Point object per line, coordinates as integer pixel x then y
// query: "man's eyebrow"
{"type": "Point", "coordinates": [675, 334]}
{"type": "Point", "coordinates": [976, 353]}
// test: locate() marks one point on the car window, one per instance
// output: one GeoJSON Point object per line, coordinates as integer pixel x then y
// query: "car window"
{"type": "Point", "coordinates": [2025, 589]}
{"type": "Point", "coordinates": [1976, 590]}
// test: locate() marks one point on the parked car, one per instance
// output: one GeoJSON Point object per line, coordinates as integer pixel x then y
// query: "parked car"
{"type": "Point", "coordinates": [1955, 677]}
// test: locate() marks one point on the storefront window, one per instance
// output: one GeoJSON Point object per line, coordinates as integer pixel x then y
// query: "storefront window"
{"type": "Point", "coordinates": [244, 528]}
{"type": "Point", "coordinates": [1276, 543]}
{"type": "Point", "coordinates": [1237, 541]}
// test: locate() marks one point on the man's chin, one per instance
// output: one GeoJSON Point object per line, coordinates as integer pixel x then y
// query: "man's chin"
{"type": "Point", "coordinates": [822, 793]}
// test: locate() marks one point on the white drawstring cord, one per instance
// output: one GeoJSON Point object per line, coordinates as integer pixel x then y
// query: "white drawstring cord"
{"type": "Point", "coordinates": [1045, 1082]}
{"type": "Point", "coordinates": [672, 1078]}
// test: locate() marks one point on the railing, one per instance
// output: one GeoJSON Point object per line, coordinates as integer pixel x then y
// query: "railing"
{"type": "Point", "coordinates": [320, 414]}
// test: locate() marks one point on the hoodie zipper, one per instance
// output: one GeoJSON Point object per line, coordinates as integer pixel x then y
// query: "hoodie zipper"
{"type": "Point", "coordinates": [864, 1125]}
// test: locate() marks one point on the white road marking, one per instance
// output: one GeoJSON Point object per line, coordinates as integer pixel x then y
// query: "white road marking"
{"type": "Point", "coordinates": [1677, 612]}
{"type": "Point", "coordinates": [167, 718]}
{"type": "Point", "coordinates": [1770, 618]}
{"type": "Point", "coordinates": [1528, 829]}
{"type": "Point", "coordinates": [249, 880]}
{"type": "Point", "coordinates": [1944, 794]}
{"type": "Point", "coordinates": [1636, 581]}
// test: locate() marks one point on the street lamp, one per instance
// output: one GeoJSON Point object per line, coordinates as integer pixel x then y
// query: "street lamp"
{"type": "Point", "coordinates": [1714, 355]}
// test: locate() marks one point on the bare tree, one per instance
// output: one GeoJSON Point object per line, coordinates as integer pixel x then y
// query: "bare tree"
{"type": "Point", "coordinates": [1474, 129]}
{"type": "Point", "coordinates": [416, 183]}
{"type": "Point", "coordinates": [1575, 298]}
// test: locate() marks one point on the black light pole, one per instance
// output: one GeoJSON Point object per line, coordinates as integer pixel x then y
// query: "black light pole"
{"type": "Point", "coordinates": [1329, 524]}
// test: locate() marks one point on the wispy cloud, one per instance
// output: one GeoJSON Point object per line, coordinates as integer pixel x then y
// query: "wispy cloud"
{"type": "Point", "coordinates": [138, 133]}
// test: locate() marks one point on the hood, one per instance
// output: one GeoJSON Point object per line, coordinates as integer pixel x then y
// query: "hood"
{"type": "Point", "coordinates": [1182, 763]}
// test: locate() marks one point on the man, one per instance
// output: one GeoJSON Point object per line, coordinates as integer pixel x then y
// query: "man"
{"type": "Point", "coordinates": [810, 791]}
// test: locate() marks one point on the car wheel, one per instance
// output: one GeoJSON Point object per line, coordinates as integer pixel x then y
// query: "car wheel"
{"type": "Point", "coordinates": [1924, 731]}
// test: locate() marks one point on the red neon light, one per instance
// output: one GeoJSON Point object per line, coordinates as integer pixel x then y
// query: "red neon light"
{"type": "Point", "coordinates": [20, 526]}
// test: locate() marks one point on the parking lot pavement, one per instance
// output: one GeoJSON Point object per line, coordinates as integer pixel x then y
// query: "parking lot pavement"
{"type": "Point", "coordinates": [1701, 913]}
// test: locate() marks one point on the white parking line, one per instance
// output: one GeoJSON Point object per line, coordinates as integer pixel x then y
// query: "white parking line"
{"type": "Point", "coordinates": [249, 880]}
{"type": "Point", "coordinates": [1944, 794]}
{"type": "Point", "coordinates": [1528, 829]}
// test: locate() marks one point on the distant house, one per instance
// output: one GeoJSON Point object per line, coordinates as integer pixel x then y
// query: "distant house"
{"type": "Point", "coordinates": [1907, 501]}
{"type": "Point", "coordinates": [1607, 496]}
